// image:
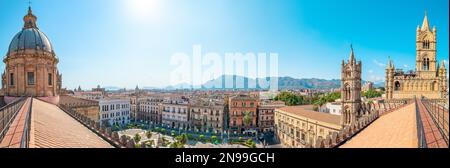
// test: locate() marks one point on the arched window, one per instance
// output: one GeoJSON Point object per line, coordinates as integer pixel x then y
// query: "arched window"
{"type": "Point", "coordinates": [426, 64]}
{"type": "Point", "coordinates": [347, 92]}
{"type": "Point", "coordinates": [426, 44]}
{"type": "Point", "coordinates": [434, 86]}
{"type": "Point", "coordinates": [397, 86]}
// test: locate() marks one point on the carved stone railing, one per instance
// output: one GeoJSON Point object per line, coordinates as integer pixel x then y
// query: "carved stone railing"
{"type": "Point", "coordinates": [371, 114]}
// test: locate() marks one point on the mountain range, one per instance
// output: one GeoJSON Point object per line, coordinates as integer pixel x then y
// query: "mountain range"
{"type": "Point", "coordinates": [283, 83]}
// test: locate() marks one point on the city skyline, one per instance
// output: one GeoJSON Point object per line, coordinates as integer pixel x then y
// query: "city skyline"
{"type": "Point", "coordinates": [108, 43]}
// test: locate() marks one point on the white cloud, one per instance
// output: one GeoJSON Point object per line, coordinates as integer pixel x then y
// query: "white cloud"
{"type": "Point", "coordinates": [374, 77]}
{"type": "Point", "coordinates": [378, 63]}
{"type": "Point", "coordinates": [406, 66]}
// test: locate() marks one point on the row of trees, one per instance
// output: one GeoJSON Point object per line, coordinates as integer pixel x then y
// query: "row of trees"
{"type": "Point", "coordinates": [290, 99]}
{"type": "Point", "coordinates": [319, 99]}
{"type": "Point", "coordinates": [372, 93]}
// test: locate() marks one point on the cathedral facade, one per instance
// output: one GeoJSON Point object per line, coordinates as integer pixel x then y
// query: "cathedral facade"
{"type": "Point", "coordinates": [429, 78]}
{"type": "Point", "coordinates": [351, 90]}
{"type": "Point", "coordinates": [31, 63]}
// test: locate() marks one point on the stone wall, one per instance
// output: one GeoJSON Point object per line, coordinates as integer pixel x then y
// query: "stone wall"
{"type": "Point", "coordinates": [85, 107]}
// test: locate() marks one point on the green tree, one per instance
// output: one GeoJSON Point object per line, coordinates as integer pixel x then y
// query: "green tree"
{"type": "Point", "coordinates": [201, 137]}
{"type": "Point", "coordinates": [137, 138]}
{"type": "Point", "coordinates": [176, 144]}
{"type": "Point", "coordinates": [320, 100]}
{"type": "Point", "coordinates": [371, 93]}
{"type": "Point", "coordinates": [248, 118]}
{"type": "Point", "coordinates": [183, 138]}
{"type": "Point", "coordinates": [289, 99]}
{"type": "Point", "coordinates": [249, 141]}
{"type": "Point", "coordinates": [213, 138]}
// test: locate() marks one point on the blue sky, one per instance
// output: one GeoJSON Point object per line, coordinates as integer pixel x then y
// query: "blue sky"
{"type": "Point", "coordinates": [126, 43]}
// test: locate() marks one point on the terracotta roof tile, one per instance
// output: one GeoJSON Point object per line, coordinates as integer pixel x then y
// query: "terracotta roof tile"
{"type": "Point", "coordinates": [307, 112]}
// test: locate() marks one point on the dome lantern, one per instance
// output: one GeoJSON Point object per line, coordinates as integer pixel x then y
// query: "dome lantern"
{"type": "Point", "coordinates": [30, 20]}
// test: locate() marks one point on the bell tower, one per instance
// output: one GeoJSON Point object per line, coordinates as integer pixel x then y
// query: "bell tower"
{"type": "Point", "coordinates": [426, 50]}
{"type": "Point", "coordinates": [350, 90]}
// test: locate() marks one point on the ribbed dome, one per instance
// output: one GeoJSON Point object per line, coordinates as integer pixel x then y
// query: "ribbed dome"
{"type": "Point", "coordinates": [30, 38]}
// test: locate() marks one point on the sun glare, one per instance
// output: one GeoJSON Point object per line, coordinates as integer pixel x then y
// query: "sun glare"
{"type": "Point", "coordinates": [144, 10]}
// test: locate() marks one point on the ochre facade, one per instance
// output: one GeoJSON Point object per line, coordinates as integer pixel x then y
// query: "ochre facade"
{"type": "Point", "coordinates": [31, 64]}
{"type": "Point", "coordinates": [429, 78]}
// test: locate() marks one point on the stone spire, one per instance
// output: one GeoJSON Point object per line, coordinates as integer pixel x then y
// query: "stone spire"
{"type": "Point", "coordinates": [425, 24]}
{"type": "Point", "coordinates": [29, 19]}
{"type": "Point", "coordinates": [352, 55]}
{"type": "Point", "coordinates": [390, 65]}
{"type": "Point", "coordinates": [443, 65]}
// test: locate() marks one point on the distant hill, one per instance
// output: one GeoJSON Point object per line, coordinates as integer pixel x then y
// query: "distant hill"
{"type": "Point", "coordinates": [312, 83]}
{"type": "Point", "coordinates": [283, 83]}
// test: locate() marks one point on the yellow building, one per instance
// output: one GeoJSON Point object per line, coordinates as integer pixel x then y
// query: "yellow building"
{"type": "Point", "coordinates": [300, 126]}
{"type": "Point", "coordinates": [428, 80]}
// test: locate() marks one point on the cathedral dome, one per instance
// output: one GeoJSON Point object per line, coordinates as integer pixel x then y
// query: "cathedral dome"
{"type": "Point", "coordinates": [30, 38]}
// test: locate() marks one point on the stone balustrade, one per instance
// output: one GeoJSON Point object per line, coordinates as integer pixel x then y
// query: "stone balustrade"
{"type": "Point", "coordinates": [371, 113]}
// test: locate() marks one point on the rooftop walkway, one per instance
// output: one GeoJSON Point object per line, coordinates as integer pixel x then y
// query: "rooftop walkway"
{"type": "Point", "coordinates": [394, 130]}
{"type": "Point", "coordinates": [434, 138]}
{"type": "Point", "coordinates": [53, 128]}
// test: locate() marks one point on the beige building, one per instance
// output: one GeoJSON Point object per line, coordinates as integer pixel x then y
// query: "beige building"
{"type": "Point", "coordinates": [31, 63]}
{"type": "Point", "coordinates": [150, 110]}
{"type": "Point", "coordinates": [428, 80]}
{"type": "Point", "coordinates": [175, 113]}
{"type": "Point", "coordinates": [88, 108]}
{"type": "Point", "coordinates": [89, 95]}
{"type": "Point", "coordinates": [207, 116]}
{"type": "Point", "coordinates": [266, 111]}
{"type": "Point", "coordinates": [301, 126]}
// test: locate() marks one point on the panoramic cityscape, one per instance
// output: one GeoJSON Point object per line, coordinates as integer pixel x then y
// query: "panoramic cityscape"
{"type": "Point", "coordinates": [202, 96]}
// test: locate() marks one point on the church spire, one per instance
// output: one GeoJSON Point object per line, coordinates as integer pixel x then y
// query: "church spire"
{"type": "Point", "coordinates": [29, 19]}
{"type": "Point", "coordinates": [390, 65]}
{"type": "Point", "coordinates": [425, 24]}
{"type": "Point", "coordinates": [352, 54]}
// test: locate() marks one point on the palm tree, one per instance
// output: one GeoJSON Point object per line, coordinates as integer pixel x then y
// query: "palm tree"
{"type": "Point", "coordinates": [248, 118]}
